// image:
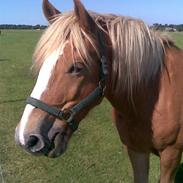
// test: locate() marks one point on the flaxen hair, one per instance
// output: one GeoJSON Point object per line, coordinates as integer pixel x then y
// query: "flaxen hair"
{"type": "Point", "coordinates": [138, 52]}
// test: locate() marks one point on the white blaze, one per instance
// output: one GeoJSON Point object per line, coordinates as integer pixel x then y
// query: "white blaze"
{"type": "Point", "coordinates": [40, 87]}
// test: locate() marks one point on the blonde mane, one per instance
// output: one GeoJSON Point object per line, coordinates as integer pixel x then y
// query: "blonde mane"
{"type": "Point", "coordinates": [138, 52]}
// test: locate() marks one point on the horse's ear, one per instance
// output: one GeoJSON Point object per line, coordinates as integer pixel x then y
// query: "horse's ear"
{"type": "Point", "coordinates": [85, 20]}
{"type": "Point", "coordinates": [49, 10]}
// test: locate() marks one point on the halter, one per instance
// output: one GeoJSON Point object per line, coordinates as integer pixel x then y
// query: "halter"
{"type": "Point", "coordinates": [68, 116]}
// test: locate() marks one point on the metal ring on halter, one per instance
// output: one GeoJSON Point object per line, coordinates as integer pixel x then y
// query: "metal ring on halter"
{"type": "Point", "coordinates": [67, 115]}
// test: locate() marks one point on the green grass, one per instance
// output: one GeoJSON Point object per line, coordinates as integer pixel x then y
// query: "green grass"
{"type": "Point", "coordinates": [95, 153]}
{"type": "Point", "coordinates": [178, 38]}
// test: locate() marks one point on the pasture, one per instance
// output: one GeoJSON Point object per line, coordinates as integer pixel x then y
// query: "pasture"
{"type": "Point", "coordinates": [95, 153]}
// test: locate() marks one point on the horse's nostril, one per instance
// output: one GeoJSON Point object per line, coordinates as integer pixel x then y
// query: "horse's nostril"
{"type": "Point", "coordinates": [32, 141]}
{"type": "Point", "coordinates": [35, 143]}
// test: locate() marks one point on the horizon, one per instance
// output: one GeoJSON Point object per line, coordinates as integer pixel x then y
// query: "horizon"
{"type": "Point", "coordinates": [30, 12]}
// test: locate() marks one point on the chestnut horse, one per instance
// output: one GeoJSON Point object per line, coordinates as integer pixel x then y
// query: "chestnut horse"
{"type": "Point", "coordinates": [85, 56]}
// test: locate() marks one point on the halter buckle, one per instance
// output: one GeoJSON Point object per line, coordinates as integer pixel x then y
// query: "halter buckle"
{"type": "Point", "coordinates": [67, 116]}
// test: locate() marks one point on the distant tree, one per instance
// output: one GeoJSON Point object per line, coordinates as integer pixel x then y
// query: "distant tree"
{"type": "Point", "coordinates": [156, 26]}
{"type": "Point", "coordinates": [21, 26]}
{"type": "Point", "coordinates": [162, 27]}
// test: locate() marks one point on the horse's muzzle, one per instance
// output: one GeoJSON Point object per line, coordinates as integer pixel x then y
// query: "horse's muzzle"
{"type": "Point", "coordinates": [52, 145]}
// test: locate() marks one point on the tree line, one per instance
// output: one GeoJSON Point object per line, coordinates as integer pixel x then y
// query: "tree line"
{"type": "Point", "coordinates": [156, 26]}
{"type": "Point", "coordinates": [14, 26]}
{"type": "Point", "coordinates": [163, 27]}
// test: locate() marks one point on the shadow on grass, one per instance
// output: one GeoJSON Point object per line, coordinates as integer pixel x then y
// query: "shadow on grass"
{"type": "Point", "coordinates": [4, 60]}
{"type": "Point", "coordinates": [179, 174]}
{"type": "Point", "coordinates": [12, 101]}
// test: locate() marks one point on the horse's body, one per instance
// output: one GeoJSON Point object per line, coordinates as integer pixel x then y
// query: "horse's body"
{"type": "Point", "coordinates": [157, 123]}
{"type": "Point", "coordinates": [155, 120]}
{"type": "Point", "coordinates": [144, 85]}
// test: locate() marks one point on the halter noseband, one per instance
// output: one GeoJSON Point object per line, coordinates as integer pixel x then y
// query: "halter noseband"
{"type": "Point", "coordinates": [68, 115]}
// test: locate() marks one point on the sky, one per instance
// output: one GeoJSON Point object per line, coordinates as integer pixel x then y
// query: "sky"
{"type": "Point", "coordinates": [151, 11]}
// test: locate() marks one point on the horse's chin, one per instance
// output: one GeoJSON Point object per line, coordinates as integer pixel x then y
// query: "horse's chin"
{"type": "Point", "coordinates": [60, 145]}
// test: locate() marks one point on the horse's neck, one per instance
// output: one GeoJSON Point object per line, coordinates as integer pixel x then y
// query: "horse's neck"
{"type": "Point", "coordinates": [144, 99]}
{"type": "Point", "coordinates": [134, 101]}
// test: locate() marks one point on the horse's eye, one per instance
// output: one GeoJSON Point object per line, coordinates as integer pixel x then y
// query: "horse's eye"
{"type": "Point", "coordinates": [76, 68]}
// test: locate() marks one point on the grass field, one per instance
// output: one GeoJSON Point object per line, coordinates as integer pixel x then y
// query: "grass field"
{"type": "Point", "coordinates": [95, 153]}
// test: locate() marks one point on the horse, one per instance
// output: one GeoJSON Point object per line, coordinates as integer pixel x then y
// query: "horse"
{"type": "Point", "coordinates": [85, 56]}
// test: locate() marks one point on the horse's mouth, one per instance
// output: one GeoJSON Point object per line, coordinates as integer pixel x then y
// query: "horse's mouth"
{"type": "Point", "coordinates": [60, 141]}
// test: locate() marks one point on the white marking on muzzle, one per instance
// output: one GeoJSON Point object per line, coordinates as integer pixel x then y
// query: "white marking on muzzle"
{"type": "Point", "coordinates": [40, 87]}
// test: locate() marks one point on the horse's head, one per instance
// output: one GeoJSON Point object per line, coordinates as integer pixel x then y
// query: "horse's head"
{"type": "Point", "coordinates": [69, 84]}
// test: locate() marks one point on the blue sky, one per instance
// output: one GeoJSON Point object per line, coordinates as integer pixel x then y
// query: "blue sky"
{"type": "Point", "coordinates": [151, 11]}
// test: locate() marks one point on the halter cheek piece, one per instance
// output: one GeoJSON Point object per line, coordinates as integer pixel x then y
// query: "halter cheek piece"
{"type": "Point", "coordinates": [68, 115]}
